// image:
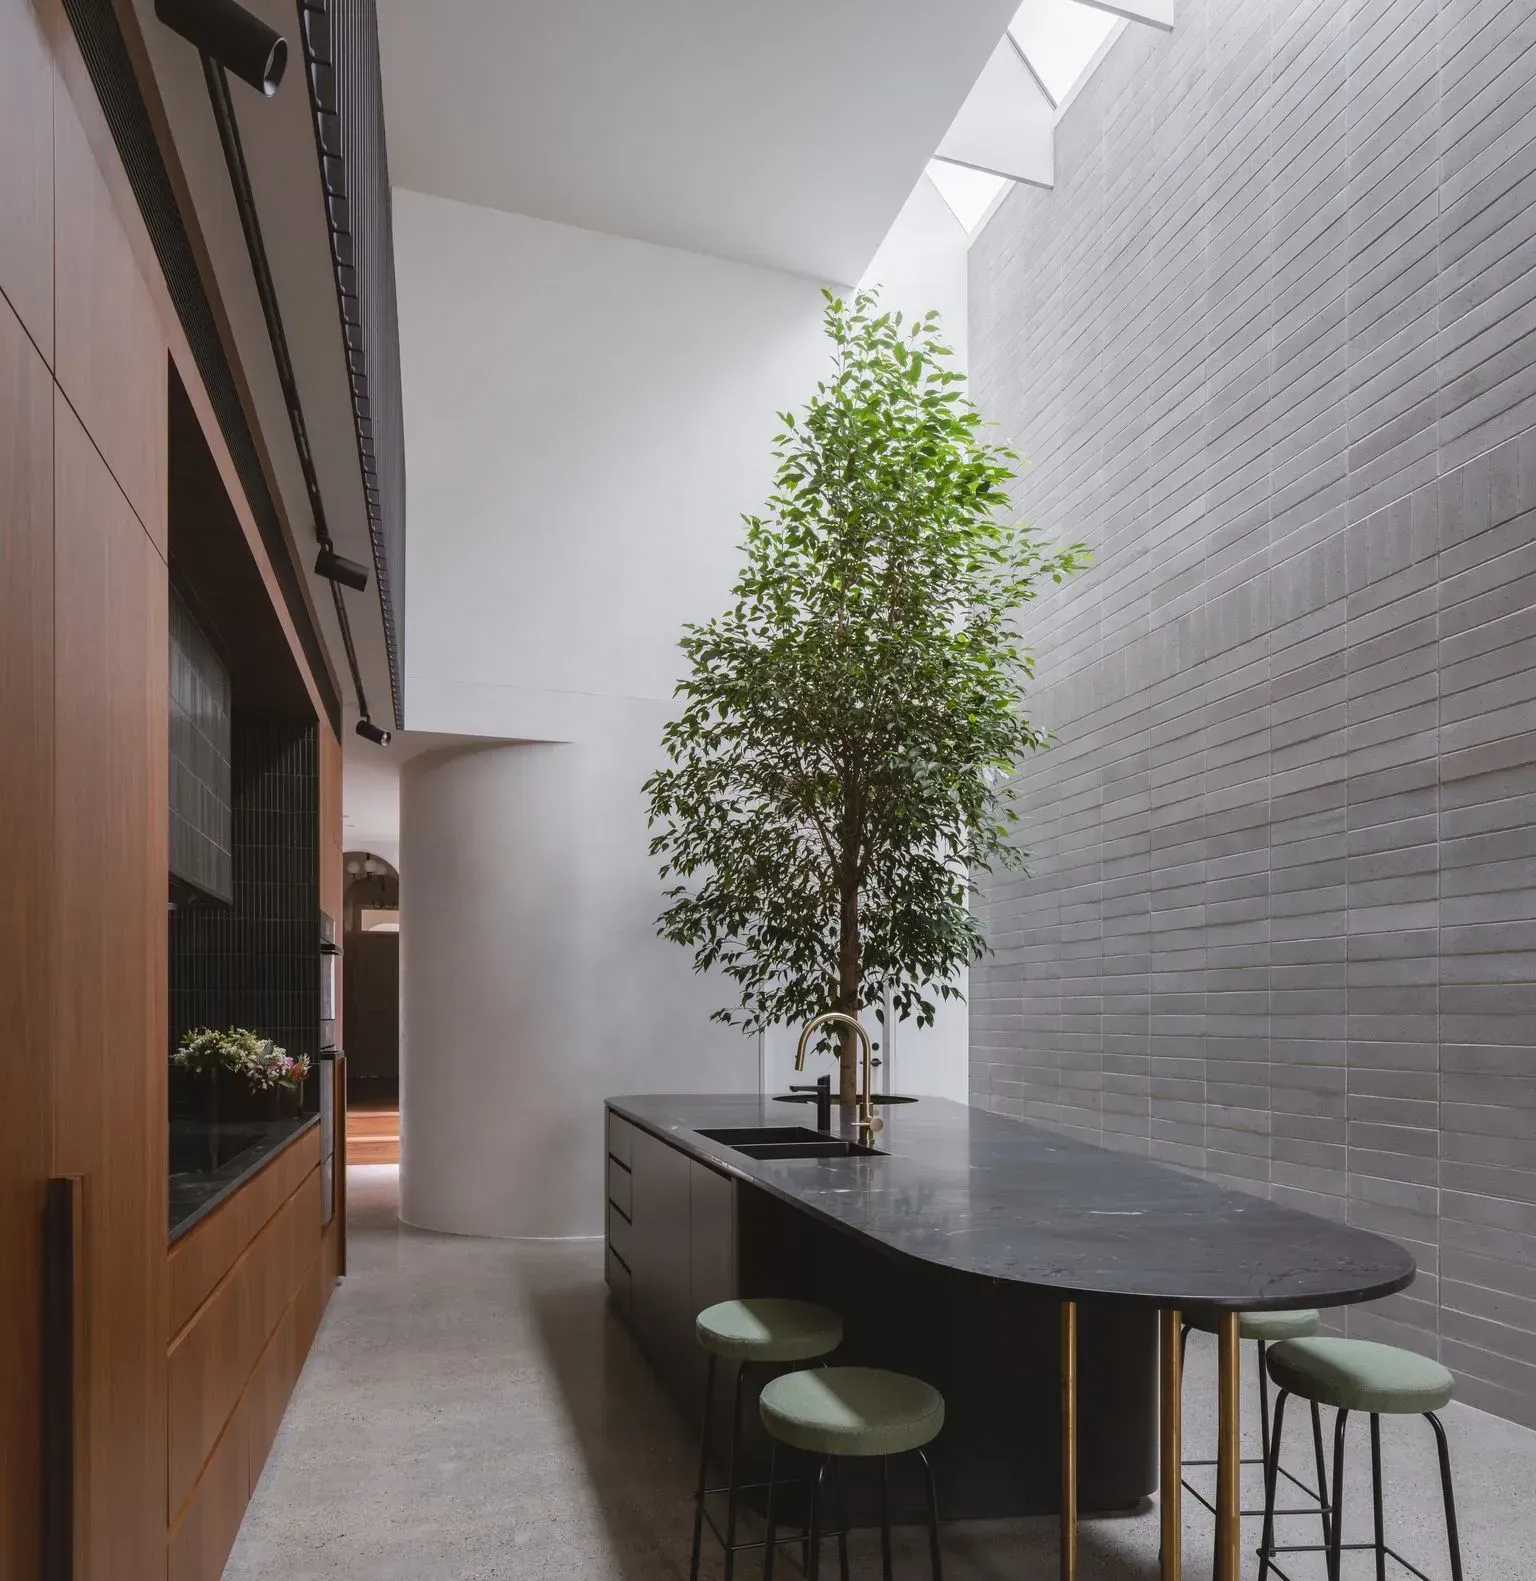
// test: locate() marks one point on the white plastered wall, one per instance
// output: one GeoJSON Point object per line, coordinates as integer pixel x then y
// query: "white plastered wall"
{"type": "Point", "coordinates": [586, 417]}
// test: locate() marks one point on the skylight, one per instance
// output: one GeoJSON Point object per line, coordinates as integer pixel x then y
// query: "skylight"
{"type": "Point", "coordinates": [1059, 38]}
{"type": "Point", "coordinates": [1005, 130]}
{"type": "Point", "coordinates": [969, 193]}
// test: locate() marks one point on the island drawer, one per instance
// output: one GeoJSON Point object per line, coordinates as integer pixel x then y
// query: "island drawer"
{"type": "Point", "coordinates": [621, 1140]}
{"type": "Point", "coordinates": [621, 1236]}
{"type": "Point", "coordinates": [620, 1283]}
{"type": "Point", "coordinates": [621, 1188]}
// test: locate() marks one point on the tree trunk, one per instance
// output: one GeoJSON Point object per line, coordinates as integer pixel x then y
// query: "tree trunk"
{"type": "Point", "coordinates": [849, 981]}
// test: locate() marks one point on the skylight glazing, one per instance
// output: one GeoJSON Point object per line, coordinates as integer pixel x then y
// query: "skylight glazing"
{"type": "Point", "coordinates": [1055, 42]}
{"type": "Point", "coordinates": [1059, 38]}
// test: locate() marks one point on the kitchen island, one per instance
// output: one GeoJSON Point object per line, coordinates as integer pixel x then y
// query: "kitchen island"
{"type": "Point", "coordinates": [953, 1253]}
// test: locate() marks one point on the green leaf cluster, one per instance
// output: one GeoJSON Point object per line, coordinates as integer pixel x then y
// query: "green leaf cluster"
{"type": "Point", "coordinates": [840, 770]}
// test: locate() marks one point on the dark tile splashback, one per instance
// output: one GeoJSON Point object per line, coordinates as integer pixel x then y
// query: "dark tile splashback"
{"type": "Point", "coordinates": [201, 837]}
{"type": "Point", "coordinates": [256, 962]}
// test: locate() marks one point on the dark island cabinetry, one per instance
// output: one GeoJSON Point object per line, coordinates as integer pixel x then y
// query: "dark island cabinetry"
{"type": "Point", "coordinates": [671, 1249]}
{"type": "Point", "coordinates": [683, 1233]}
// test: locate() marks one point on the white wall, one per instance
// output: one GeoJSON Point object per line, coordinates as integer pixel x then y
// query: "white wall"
{"type": "Point", "coordinates": [923, 263]}
{"type": "Point", "coordinates": [587, 418]}
{"type": "Point", "coordinates": [533, 983]}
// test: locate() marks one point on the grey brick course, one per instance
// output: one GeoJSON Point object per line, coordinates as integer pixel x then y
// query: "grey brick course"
{"type": "Point", "coordinates": [1270, 348]}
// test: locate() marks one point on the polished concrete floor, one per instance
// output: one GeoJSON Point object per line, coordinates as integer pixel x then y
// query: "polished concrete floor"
{"type": "Point", "coordinates": [471, 1411]}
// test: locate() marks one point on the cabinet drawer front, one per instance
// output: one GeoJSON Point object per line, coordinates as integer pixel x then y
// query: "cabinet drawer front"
{"type": "Point", "coordinates": [621, 1140]}
{"type": "Point", "coordinates": [619, 1282]}
{"type": "Point", "coordinates": [621, 1235]}
{"type": "Point", "coordinates": [621, 1188]}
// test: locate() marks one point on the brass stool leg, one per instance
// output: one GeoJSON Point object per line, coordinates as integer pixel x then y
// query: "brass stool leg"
{"type": "Point", "coordinates": [1068, 1522]}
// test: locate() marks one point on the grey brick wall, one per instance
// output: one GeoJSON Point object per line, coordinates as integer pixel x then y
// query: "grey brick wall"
{"type": "Point", "coordinates": [1270, 347]}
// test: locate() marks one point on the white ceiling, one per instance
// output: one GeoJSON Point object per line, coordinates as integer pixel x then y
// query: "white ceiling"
{"type": "Point", "coordinates": [786, 135]}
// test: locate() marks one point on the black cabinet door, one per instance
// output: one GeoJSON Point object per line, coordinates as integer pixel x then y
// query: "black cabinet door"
{"type": "Point", "coordinates": [661, 1296]}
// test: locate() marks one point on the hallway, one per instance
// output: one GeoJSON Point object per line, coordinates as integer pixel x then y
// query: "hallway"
{"type": "Point", "coordinates": [471, 1411]}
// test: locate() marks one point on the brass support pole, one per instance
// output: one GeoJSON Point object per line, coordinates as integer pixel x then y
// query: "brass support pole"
{"type": "Point", "coordinates": [1069, 1441]}
{"type": "Point", "coordinates": [1229, 1526]}
{"type": "Point", "coordinates": [1171, 1400]}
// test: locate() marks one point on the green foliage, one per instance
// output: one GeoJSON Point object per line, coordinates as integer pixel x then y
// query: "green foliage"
{"type": "Point", "coordinates": [840, 769]}
{"type": "Point", "coordinates": [245, 1053]}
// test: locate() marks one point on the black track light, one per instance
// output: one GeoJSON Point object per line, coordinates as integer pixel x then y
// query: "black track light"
{"type": "Point", "coordinates": [337, 568]}
{"type": "Point", "coordinates": [374, 733]}
{"type": "Point", "coordinates": [236, 38]}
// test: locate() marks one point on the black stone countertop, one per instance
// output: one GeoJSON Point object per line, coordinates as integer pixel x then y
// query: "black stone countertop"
{"type": "Point", "coordinates": [195, 1193]}
{"type": "Point", "coordinates": [1005, 1199]}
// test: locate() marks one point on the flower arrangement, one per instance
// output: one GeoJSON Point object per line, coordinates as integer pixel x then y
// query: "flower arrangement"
{"type": "Point", "coordinates": [244, 1053]}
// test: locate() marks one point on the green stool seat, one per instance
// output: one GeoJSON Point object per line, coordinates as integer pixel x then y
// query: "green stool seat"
{"type": "Point", "coordinates": [1266, 1327]}
{"type": "Point", "coordinates": [852, 1411]}
{"type": "Point", "coordinates": [1360, 1375]}
{"type": "Point", "coordinates": [769, 1329]}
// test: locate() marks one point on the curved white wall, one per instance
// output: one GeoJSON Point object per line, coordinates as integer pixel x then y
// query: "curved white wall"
{"type": "Point", "coordinates": [532, 983]}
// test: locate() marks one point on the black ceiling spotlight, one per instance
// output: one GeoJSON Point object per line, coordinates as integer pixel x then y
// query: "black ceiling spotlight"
{"type": "Point", "coordinates": [236, 38]}
{"type": "Point", "coordinates": [374, 733]}
{"type": "Point", "coordinates": [337, 568]}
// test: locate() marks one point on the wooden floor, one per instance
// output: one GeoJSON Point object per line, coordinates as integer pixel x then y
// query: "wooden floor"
{"type": "Point", "coordinates": [373, 1136]}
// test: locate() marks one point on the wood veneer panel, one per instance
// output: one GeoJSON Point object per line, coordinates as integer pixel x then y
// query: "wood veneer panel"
{"type": "Point", "coordinates": [202, 1257]}
{"type": "Point", "coordinates": [111, 356]}
{"type": "Point", "coordinates": [26, 171]}
{"type": "Point", "coordinates": [202, 1539]}
{"type": "Point", "coordinates": [213, 1362]}
{"type": "Point", "coordinates": [109, 1002]}
{"type": "Point", "coordinates": [26, 824]}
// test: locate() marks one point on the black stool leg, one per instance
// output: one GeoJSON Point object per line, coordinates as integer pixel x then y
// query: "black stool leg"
{"type": "Point", "coordinates": [1376, 1513]}
{"type": "Point", "coordinates": [1338, 1495]}
{"type": "Point", "coordinates": [1452, 1540]}
{"type": "Point", "coordinates": [935, 1559]}
{"type": "Point", "coordinates": [769, 1520]}
{"type": "Point", "coordinates": [885, 1518]}
{"type": "Point", "coordinates": [698, 1497]}
{"type": "Point", "coordinates": [1323, 1506]}
{"type": "Point", "coordinates": [1271, 1481]}
{"type": "Point", "coordinates": [730, 1478]}
{"type": "Point", "coordinates": [813, 1566]}
{"type": "Point", "coordinates": [842, 1520]}
{"type": "Point", "coordinates": [1263, 1403]}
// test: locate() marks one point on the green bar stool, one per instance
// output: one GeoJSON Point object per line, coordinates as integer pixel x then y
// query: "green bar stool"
{"type": "Point", "coordinates": [840, 1413]}
{"type": "Point", "coordinates": [758, 1330]}
{"type": "Point", "coordinates": [1266, 1329]}
{"type": "Point", "coordinates": [1358, 1375]}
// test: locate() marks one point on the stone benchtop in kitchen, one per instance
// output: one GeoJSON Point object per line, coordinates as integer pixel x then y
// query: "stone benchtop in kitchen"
{"type": "Point", "coordinates": [985, 1194]}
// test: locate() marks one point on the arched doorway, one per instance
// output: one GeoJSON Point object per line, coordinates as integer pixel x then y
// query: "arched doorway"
{"type": "Point", "coordinates": [371, 1007]}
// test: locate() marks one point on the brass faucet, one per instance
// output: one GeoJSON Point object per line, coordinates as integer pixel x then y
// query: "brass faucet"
{"type": "Point", "coordinates": [869, 1122]}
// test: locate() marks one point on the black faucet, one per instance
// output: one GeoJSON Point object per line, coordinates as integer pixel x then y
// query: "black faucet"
{"type": "Point", "coordinates": [823, 1091]}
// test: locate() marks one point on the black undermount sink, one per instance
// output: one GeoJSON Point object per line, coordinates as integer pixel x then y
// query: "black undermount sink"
{"type": "Point", "coordinates": [827, 1147]}
{"type": "Point", "coordinates": [789, 1141]}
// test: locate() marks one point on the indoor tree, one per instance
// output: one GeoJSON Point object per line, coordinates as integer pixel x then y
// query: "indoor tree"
{"type": "Point", "coordinates": [840, 770]}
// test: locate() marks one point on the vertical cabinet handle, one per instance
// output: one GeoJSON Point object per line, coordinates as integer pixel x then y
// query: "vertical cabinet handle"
{"type": "Point", "coordinates": [63, 1374]}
